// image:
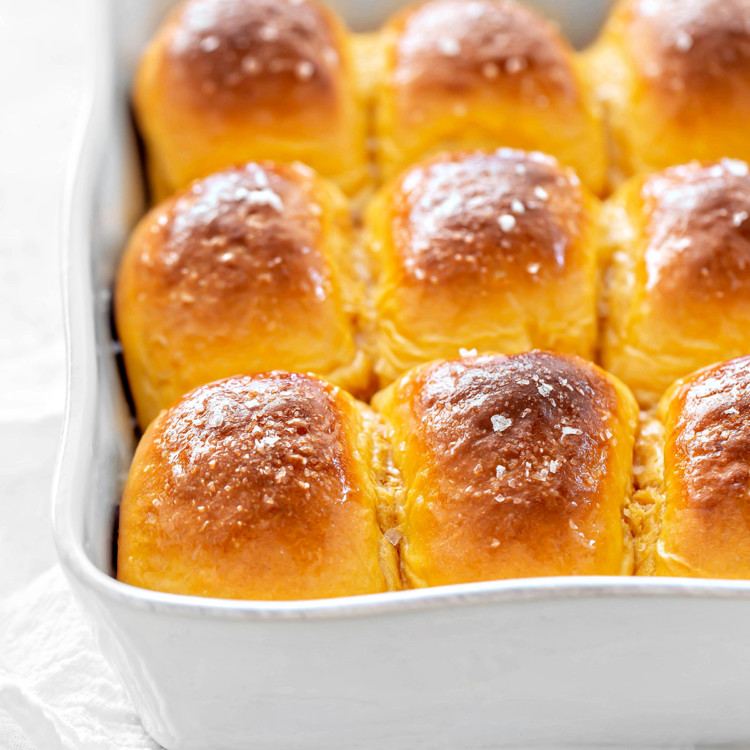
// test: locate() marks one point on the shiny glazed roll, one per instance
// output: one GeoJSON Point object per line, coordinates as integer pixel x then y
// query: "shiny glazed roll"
{"type": "Point", "coordinates": [694, 491]}
{"type": "Point", "coordinates": [674, 77]}
{"type": "Point", "coordinates": [259, 487]}
{"type": "Point", "coordinates": [227, 81]}
{"type": "Point", "coordinates": [495, 251]}
{"type": "Point", "coordinates": [462, 74]}
{"type": "Point", "coordinates": [513, 467]}
{"type": "Point", "coordinates": [250, 269]}
{"type": "Point", "coordinates": [678, 290]}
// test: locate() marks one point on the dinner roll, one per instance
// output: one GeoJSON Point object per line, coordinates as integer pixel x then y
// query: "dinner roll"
{"type": "Point", "coordinates": [674, 77]}
{"type": "Point", "coordinates": [259, 487]}
{"type": "Point", "coordinates": [250, 269]}
{"type": "Point", "coordinates": [227, 81]}
{"type": "Point", "coordinates": [678, 290]}
{"type": "Point", "coordinates": [494, 251]}
{"type": "Point", "coordinates": [695, 496]}
{"type": "Point", "coordinates": [463, 74]}
{"type": "Point", "coordinates": [513, 467]}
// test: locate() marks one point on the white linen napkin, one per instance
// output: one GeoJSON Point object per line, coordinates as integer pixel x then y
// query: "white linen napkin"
{"type": "Point", "coordinates": [56, 690]}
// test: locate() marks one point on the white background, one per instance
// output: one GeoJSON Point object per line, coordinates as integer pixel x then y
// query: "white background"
{"type": "Point", "coordinates": [41, 77]}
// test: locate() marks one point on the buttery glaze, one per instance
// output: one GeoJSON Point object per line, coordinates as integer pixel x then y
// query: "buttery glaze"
{"type": "Point", "coordinates": [514, 466]}
{"type": "Point", "coordinates": [698, 225]}
{"type": "Point", "coordinates": [687, 46]}
{"type": "Point", "coordinates": [506, 215]}
{"type": "Point", "coordinates": [255, 487]}
{"type": "Point", "coordinates": [455, 46]}
{"type": "Point", "coordinates": [250, 269]}
{"type": "Point", "coordinates": [482, 74]}
{"type": "Point", "coordinates": [228, 81]}
{"type": "Point", "coordinates": [678, 289]}
{"type": "Point", "coordinates": [705, 511]}
{"type": "Point", "coordinates": [493, 251]}
{"type": "Point", "coordinates": [674, 78]}
{"type": "Point", "coordinates": [231, 53]}
{"type": "Point", "coordinates": [246, 235]}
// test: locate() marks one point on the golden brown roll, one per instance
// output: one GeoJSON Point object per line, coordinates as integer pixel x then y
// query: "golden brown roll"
{"type": "Point", "coordinates": [227, 81]}
{"type": "Point", "coordinates": [495, 251]}
{"type": "Point", "coordinates": [513, 467]}
{"type": "Point", "coordinates": [259, 487]}
{"type": "Point", "coordinates": [678, 290]}
{"type": "Point", "coordinates": [250, 269]}
{"type": "Point", "coordinates": [694, 454]}
{"type": "Point", "coordinates": [674, 77]}
{"type": "Point", "coordinates": [463, 74]}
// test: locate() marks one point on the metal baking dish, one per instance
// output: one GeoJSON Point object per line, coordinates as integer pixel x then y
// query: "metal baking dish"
{"type": "Point", "coordinates": [563, 661]}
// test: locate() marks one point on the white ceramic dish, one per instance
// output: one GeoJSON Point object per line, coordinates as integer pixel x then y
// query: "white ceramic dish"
{"type": "Point", "coordinates": [565, 661]}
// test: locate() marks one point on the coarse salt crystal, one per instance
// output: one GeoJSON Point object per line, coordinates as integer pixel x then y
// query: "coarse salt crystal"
{"type": "Point", "coordinates": [264, 197]}
{"type": "Point", "coordinates": [393, 536]}
{"type": "Point", "coordinates": [467, 352]}
{"type": "Point", "coordinates": [250, 64]}
{"type": "Point", "coordinates": [541, 193]}
{"type": "Point", "coordinates": [507, 222]}
{"type": "Point", "coordinates": [571, 431]}
{"type": "Point", "coordinates": [268, 33]}
{"type": "Point", "coordinates": [735, 167]}
{"type": "Point", "coordinates": [515, 65]}
{"type": "Point", "coordinates": [490, 70]}
{"type": "Point", "coordinates": [544, 389]}
{"type": "Point", "coordinates": [304, 70]}
{"type": "Point", "coordinates": [683, 41]}
{"type": "Point", "coordinates": [210, 43]}
{"type": "Point", "coordinates": [500, 423]}
{"type": "Point", "coordinates": [449, 46]}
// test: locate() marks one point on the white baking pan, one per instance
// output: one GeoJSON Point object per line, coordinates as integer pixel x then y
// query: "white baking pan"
{"type": "Point", "coordinates": [564, 661]}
